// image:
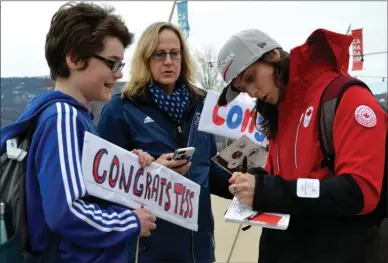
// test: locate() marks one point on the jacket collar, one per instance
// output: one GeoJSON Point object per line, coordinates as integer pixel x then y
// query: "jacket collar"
{"type": "Point", "coordinates": [196, 96]}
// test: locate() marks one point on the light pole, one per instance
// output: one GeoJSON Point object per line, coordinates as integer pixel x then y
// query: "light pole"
{"type": "Point", "coordinates": [172, 11]}
{"type": "Point", "coordinates": [348, 30]}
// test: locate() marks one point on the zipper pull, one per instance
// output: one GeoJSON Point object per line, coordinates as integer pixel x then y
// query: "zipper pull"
{"type": "Point", "coordinates": [301, 117]}
{"type": "Point", "coordinates": [179, 129]}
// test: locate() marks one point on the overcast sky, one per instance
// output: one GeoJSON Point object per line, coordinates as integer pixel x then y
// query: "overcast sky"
{"type": "Point", "coordinates": [25, 24]}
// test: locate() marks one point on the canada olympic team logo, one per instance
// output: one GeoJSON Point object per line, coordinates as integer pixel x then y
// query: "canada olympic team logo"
{"type": "Point", "coordinates": [365, 116]}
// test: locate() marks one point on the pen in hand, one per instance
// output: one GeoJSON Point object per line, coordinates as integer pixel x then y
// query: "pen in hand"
{"type": "Point", "coordinates": [245, 165]}
{"type": "Point", "coordinates": [245, 170]}
{"type": "Point", "coordinates": [137, 243]}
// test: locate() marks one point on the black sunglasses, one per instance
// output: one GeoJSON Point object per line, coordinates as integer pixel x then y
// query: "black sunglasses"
{"type": "Point", "coordinates": [113, 65]}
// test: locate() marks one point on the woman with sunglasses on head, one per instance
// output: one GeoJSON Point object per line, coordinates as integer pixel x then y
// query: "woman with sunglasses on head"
{"type": "Point", "coordinates": [158, 112]}
{"type": "Point", "coordinates": [338, 225]}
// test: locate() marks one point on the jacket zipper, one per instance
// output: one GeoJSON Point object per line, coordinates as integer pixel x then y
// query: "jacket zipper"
{"type": "Point", "coordinates": [188, 145]}
{"type": "Point", "coordinates": [296, 140]}
{"type": "Point", "coordinates": [180, 133]}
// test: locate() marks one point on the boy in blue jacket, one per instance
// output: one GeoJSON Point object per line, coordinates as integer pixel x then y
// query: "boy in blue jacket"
{"type": "Point", "coordinates": [84, 49]}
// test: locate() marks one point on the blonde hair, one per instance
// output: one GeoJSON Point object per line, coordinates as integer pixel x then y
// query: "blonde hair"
{"type": "Point", "coordinates": [140, 73]}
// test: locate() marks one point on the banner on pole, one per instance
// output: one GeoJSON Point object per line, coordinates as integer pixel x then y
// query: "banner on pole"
{"type": "Point", "coordinates": [357, 49]}
{"type": "Point", "coordinates": [232, 120]}
{"type": "Point", "coordinates": [183, 19]}
{"type": "Point", "coordinates": [114, 174]}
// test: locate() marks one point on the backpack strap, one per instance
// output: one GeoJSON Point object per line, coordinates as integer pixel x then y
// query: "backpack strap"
{"type": "Point", "coordinates": [329, 102]}
{"type": "Point", "coordinates": [330, 99]}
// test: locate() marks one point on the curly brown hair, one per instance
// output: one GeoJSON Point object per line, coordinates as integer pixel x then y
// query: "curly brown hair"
{"type": "Point", "coordinates": [80, 29]}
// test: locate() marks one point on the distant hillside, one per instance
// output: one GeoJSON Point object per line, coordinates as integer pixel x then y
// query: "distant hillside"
{"type": "Point", "coordinates": [383, 99]}
{"type": "Point", "coordinates": [15, 92]}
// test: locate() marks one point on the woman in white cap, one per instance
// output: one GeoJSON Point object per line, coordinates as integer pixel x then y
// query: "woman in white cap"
{"type": "Point", "coordinates": [336, 217]}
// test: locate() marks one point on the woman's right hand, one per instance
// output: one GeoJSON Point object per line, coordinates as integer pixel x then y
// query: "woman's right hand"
{"type": "Point", "coordinates": [178, 166]}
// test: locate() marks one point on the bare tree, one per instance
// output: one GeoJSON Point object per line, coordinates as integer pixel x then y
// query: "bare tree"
{"type": "Point", "coordinates": [208, 74]}
{"type": "Point", "coordinates": [210, 79]}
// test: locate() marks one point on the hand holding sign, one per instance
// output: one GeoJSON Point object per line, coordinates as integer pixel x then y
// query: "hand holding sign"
{"type": "Point", "coordinates": [144, 158]}
{"type": "Point", "coordinates": [147, 221]}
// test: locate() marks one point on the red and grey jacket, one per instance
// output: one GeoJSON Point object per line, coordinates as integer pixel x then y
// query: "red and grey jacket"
{"type": "Point", "coordinates": [359, 134]}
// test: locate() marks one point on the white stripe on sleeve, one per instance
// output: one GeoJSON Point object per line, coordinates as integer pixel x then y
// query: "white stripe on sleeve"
{"type": "Point", "coordinates": [101, 220]}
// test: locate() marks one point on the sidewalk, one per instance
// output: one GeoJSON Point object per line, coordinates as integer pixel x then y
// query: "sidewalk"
{"type": "Point", "coordinates": [246, 248]}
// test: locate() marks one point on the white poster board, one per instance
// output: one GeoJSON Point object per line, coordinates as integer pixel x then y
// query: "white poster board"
{"type": "Point", "coordinates": [114, 174]}
{"type": "Point", "coordinates": [232, 120]}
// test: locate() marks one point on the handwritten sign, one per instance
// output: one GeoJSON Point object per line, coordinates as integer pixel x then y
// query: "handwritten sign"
{"type": "Point", "coordinates": [232, 120]}
{"type": "Point", "coordinates": [114, 174]}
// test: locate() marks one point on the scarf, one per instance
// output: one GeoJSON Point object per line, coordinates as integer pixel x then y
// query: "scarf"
{"type": "Point", "coordinates": [174, 104]}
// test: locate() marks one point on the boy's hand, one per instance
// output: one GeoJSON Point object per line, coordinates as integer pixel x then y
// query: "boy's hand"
{"type": "Point", "coordinates": [144, 158]}
{"type": "Point", "coordinates": [147, 221]}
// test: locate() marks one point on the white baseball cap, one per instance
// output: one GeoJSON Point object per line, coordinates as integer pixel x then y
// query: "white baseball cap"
{"type": "Point", "coordinates": [237, 54]}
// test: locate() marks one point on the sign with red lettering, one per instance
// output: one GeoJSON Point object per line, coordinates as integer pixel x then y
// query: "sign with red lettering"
{"type": "Point", "coordinates": [357, 49]}
{"type": "Point", "coordinates": [114, 174]}
{"type": "Point", "coordinates": [232, 120]}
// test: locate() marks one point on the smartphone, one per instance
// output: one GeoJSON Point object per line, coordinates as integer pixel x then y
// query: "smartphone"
{"type": "Point", "coordinates": [184, 153]}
